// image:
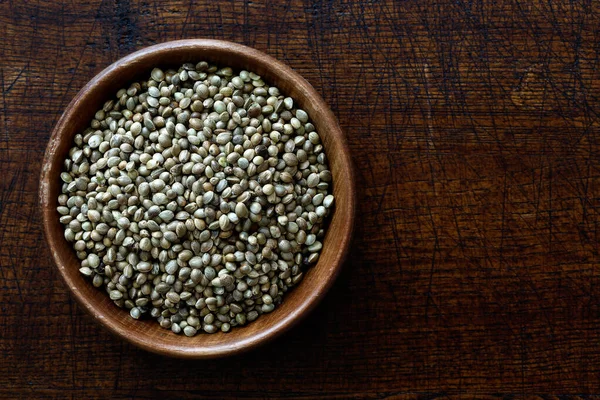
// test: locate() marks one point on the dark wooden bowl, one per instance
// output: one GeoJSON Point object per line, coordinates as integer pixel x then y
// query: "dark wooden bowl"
{"type": "Point", "coordinates": [147, 334]}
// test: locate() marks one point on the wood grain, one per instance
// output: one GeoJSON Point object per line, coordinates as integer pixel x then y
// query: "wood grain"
{"type": "Point", "coordinates": [474, 129]}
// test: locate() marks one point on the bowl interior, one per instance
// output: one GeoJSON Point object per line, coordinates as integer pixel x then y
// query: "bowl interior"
{"type": "Point", "coordinates": [146, 333]}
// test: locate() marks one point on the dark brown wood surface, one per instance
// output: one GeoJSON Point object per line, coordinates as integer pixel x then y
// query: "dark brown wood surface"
{"type": "Point", "coordinates": [474, 129]}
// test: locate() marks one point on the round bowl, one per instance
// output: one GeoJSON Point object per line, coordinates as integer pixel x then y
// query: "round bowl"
{"type": "Point", "coordinates": [147, 334]}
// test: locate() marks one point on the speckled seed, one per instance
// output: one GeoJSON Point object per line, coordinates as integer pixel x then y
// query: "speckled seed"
{"type": "Point", "coordinates": [312, 180]}
{"type": "Point", "coordinates": [290, 159]}
{"type": "Point", "coordinates": [157, 74]}
{"type": "Point", "coordinates": [302, 116]}
{"type": "Point", "coordinates": [171, 267]}
{"type": "Point", "coordinates": [93, 260]}
{"type": "Point", "coordinates": [195, 262]}
{"type": "Point", "coordinates": [189, 331]}
{"type": "Point", "coordinates": [241, 210]}
{"type": "Point", "coordinates": [328, 201]}
{"type": "Point", "coordinates": [115, 295]}
{"type": "Point", "coordinates": [135, 313]}
{"type": "Point", "coordinates": [144, 267]}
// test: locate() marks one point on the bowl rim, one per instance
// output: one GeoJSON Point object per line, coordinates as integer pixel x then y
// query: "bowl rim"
{"type": "Point", "coordinates": [286, 321]}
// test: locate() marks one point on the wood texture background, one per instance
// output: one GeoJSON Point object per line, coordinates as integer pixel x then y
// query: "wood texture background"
{"type": "Point", "coordinates": [474, 127]}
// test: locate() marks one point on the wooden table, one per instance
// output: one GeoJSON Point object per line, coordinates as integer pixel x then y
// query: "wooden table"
{"type": "Point", "coordinates": [474, 128]}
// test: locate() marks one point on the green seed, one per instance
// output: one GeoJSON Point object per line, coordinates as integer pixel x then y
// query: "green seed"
{"type": "Point", "coordinates": [157, 74]}
{"type": "Point", "coordinates": [144, 267]}
{"type": "Point", "coordinates": [196, 262]}
{"type": "Point", "coordinates": [302, 116]}
{"type": "Point", "coordinates": [189, 331]}
{"type": "Point", "coordinates": [93, 260]}
{"type": "Point", "coordinates": [115, 295]}
{"type": "Point", "coordinates": [312, 180]}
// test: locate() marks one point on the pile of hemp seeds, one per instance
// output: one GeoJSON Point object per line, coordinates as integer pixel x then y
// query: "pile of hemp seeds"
{"type": "Point", "coordinates": [198, 197]}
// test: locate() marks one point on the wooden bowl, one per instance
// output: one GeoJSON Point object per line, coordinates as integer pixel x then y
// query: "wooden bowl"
{"type": "Point", "coordinates": [147, 334]}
